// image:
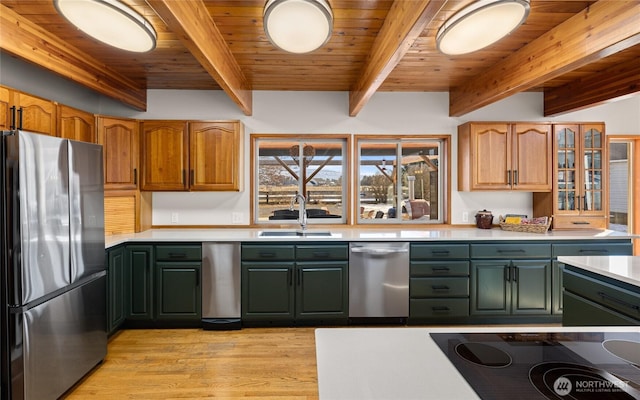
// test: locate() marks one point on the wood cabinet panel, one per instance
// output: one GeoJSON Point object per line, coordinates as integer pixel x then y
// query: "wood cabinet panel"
{"type": "Point", "coordinates": [164, 155]}
{"type": "Point", "coordinates": [5, 108]}
{"type": "Point", "coordinates": [119, 138]}
{"type": "Point", "coordinates": [504, 156]}
{"type": "Point", "coordinates": [214, 156]}
{"type": "Point", "coordinates": [76, 124]}
{"type": "Point", "coordinates": [35, 114]}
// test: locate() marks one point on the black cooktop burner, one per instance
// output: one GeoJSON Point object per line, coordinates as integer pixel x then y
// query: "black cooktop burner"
{"type": "Point", "coordinates": [573, 365]}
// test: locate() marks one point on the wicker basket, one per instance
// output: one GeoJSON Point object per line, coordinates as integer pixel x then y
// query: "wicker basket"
{"type": "Point", "coordinates": [533, 228]}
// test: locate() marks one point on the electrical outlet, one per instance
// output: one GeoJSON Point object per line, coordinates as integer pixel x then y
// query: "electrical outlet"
{"type": "Point", "coordinates": [236, 217]}
{"type": "Point", "coordinates": [174, 218]}
{"type": "Point", "coordinates": [465, 216]}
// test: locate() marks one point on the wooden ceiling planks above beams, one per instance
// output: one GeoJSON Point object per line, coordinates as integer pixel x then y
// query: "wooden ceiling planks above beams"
{"type": "Point", "coordinates": [192, 23]}
{"type": "Point", "coordinates": [30, 42]}
{"type": "Point", "coordinates": [610, 84]}
{"type": "Point", "coordinates": [604, 28]}
{"type": "Point", "coordinates": [404, 23]}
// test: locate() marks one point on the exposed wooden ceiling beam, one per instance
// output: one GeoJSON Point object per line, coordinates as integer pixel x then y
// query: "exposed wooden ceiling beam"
{"type": "Point", "coordinates": [192, 23]}
{"type": "Point", "coordinates": [28, 41]}
{"type": "Point", "coordinates": [613, 83]}
{"type": "Point", "coordinates": [604, 28]}
{"type": "Point", "coordinates": [402, 26]}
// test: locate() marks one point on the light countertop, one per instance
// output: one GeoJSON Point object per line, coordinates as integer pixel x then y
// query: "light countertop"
{"type": "Point", "coordinates": [356, 234]}
{"type": "Point", "coordinates": [622, 268]}
{"type": "Point", "coordinates": [400, 363]}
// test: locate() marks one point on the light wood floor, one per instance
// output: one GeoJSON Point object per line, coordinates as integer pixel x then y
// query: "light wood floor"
{"type": "Point", "coordinates": [258, 363]}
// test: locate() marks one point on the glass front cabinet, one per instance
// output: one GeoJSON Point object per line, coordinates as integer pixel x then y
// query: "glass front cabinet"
{"type": "Point", "coordinates": [579, 197]}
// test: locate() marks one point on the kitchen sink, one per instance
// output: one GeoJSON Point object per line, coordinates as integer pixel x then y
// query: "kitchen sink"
{"type": "Point", "coordinates": [296, 233]}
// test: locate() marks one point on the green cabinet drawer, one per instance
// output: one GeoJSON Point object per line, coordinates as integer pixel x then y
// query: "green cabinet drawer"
{"type": "Point", "coordinates": [616, 298]}
{"type": "Point", "coordinates": [178, 252]}
{"type": "Point", "coordinates": [438, 308]}
{"type": "Point", "coordinates": [438, 287]}
{"type": "Point", "coordinates": [582, 312]}
{"type": "Point", "coordinates": [511, 250]}
{"type": "Point", "coordinates": [319, 252]}
{"type": "Point", "coordinates": [268, 252]}
{"type": "Point", "coordinates": [420, 251]}
{"type": "Point", "coordinates": [439, 268]}
{"type": "Point", "coordinates": [592, 249]}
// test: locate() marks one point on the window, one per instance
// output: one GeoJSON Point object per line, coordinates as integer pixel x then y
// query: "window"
{"type": "Point", "coordinates": [314, 166]}
{"type": "Point", "coordinates": [401, 180]}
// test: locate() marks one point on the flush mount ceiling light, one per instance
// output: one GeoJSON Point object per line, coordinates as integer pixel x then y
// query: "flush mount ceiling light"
{"type": "Point", "coordinates": [110, 22]}
{"type": "Point", "coordinates": [480, 24]}
{"type": "Point", "coordinates": [298, 26]}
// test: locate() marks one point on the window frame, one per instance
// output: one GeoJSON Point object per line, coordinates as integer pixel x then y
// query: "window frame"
{"type": "Point", "coordinates": [256, 138]}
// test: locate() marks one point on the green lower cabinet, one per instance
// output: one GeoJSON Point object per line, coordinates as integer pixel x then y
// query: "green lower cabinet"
{"type": "Point", "coordinates": [178, 292]}
{"type": "Point", "coordinates": [267, 291]}
{"type": "Point", "coordinates": [321, 290]}
{"type": "Point", "coordinates": [116, 312]}
{"type": "Point", "coordinates": [514, 287]}
{"type": "Point", "coordinates": [289, 292]}
{"type": "Point", "coordinates": [139, 282]}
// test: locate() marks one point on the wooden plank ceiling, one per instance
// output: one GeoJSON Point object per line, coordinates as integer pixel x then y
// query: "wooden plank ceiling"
{"type": "Point", "coordinates": [580, 53]}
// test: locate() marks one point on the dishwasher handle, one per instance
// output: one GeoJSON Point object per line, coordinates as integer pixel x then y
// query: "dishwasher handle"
{"type": "Point", "coordinates": [378, 251]}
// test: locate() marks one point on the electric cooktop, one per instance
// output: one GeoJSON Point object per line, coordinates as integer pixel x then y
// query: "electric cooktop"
{"type": "Point", "coordinates": [558, 365]}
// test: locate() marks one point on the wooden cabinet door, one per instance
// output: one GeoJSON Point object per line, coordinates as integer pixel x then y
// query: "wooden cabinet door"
{"type": "Point", "coordinates": [178, 293]}
{"type": "Point", "coordinates": [119, 138]}
{"type": "Point", "coordinates": [164, 155]}
{"type": "Point", "coordinates": [139, 282]}
{"type": "Point", "coordinates": [531, 157]}
{"type": "Point", "coordinates": [214, 156]}
{"type": "Point", "coordinates": [491, 149]}
{"type": "Point", "coordinates": [5, 109]}
{"type": "Point", "coordinates": [116, 292]}
{"type": "Point", "coordinates": [76, 124]}
{"type": "Point", "coordinates": [321, 290]}
{"type": "Point", "coordinates": [36, 114]}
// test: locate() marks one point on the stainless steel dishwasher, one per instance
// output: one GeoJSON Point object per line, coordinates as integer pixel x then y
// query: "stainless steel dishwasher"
{"type": "Point", "coordinates": [379, 281]}
{"type": "Point", "coordinates": [221, 286]}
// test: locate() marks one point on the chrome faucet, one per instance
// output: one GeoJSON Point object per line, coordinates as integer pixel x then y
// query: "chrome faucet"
{"type": "Point", "coordinates": [302, 212]}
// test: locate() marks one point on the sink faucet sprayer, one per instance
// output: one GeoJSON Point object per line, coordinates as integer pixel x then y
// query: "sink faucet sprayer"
{"type": "Point", "coordinates": [302, 212]}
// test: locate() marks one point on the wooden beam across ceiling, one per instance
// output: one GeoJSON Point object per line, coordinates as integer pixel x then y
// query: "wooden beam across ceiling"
{"type": "Point", "coordinates": [604, 28]}
{"type": "Point", "coordinates": [404, 23]}
{"type": "Point", "coordinates": [28, 41]}
{"type": "Point", "coordinates": [192, 23]}
{"type": "Point", "coordinates": [613, 83]}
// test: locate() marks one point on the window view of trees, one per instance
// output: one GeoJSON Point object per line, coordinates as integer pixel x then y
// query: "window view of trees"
{"type": "Point", "coordinates": [312, 167]}
{"type": "Point", "coordinates": [397, 174]}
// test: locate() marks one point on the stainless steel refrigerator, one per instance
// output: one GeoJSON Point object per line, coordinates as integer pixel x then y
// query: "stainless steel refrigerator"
{"type": "Point", "coordinates": [53, 277]}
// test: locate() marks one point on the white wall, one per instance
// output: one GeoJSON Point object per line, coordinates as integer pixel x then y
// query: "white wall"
{"type": "Point", "coordinates": [316, 112]}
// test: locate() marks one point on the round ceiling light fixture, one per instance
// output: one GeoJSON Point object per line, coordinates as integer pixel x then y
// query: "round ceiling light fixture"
{"type": "Point", "coordinates": [481, 24]}
{"type": "Point", "coordinates": [298, 26]}
{"type": "Point", "coordinates": [111, 22]}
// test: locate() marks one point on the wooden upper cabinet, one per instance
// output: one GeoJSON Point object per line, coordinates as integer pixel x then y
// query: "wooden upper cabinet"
{"type": "Point", "coordinates": [504, 156]}
{"type": "Point", "coordinates": [30, 113]}
{"type": "Point", "coordinates": [34, 114]}
{"type": "Point", "coordinates": [76, 124]}
{"type": "Point", "coordinates": [214, 155]}
{"type": "Point", "coordinates": [580, 197]}
{"type": "Point", "coordinates": [5, 108]}
{"type": "Point", "coordinates": [164, 155]}
{"type": "Point", "coordinates": [119, 138]}
{"type": "Point", "coordinates": [191, 155]}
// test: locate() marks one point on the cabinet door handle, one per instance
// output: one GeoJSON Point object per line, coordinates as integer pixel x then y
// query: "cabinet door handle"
{"type": "Point", "coordinates": [20, 118]}
{"type": "Point", "coordinates": [440, 288]}
{"type": "Point", "coordinates": [515, 273]}
{"type": "Point", "coordinates": [177, 255]}
{"type": "Point", "coordinates": [12, 126]}
{"type": "Point", "coordinates": [507, 273]}
{"type": "Point", "coordinates": [321, 254]}
{"type": "Point", "coordinates": [184, 177]}
{"type": "Point", "coordinates": [440, 270]}
{"type": "Point", "coordinates": [440, 252]}
{"type": "Point", "coordinates": [299, 276]}
{"type": "Point", "coordinates": [511, 251]}
{"type": "Point", "coordinates": [267, 254]}
{"type": "Point", "coordinates": [616, 300]}
{"type": "Point", "coordinates": [580, 222]}
{"type": "Point", "coordinates": [440, 309]}
{"type": "Point", "coordinates": [191, 177]}
{"type": "Point", "coordinates": [597, 251]}
{"type": "Point", "coordinates": [289, 277]}
{"type": "Point", "coordinates": [508, 177]}
{"type": "Point", "coordinates": [515, 177]}
{"type": "Point", "coordinates": [135, 176]}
